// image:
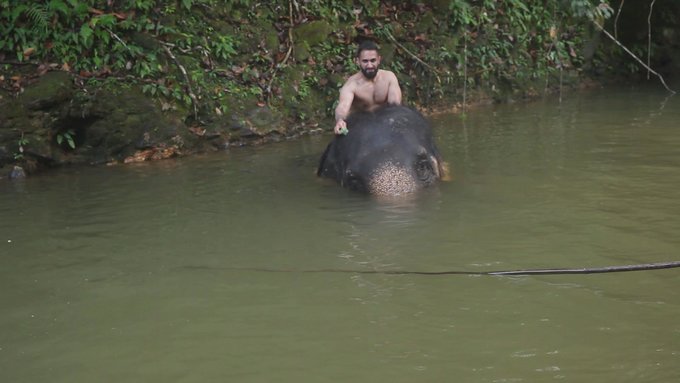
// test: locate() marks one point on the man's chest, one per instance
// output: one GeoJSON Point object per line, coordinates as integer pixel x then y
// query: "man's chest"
{"type": "Point", "coordinates": [372, 92]}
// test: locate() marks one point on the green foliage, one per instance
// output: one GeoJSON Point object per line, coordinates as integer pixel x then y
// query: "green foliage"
{"type": "Point", "coordinates": [511, 42]}
{"type": "Point", "coordinates": [593, 11]}
{"type": "Point", "coordinates": [38, 16]}
{"type": "Point", "coordinates": [68, 137]}
{"type": "Point", "coordinates": [216, 50]}
{"type": "Point", "coordinates": [21, 144]}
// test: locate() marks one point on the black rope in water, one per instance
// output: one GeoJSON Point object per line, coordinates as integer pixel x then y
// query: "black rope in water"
{"type": "Point", "coordinates": [593, 270]}
{"type": "Point", "coordinates": [585, 270]}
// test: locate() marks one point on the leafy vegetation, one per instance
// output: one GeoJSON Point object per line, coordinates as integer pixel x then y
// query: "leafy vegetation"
{"type": "Point", "coordinates": [214, 57]}
{"type": "Point", "coordinates": [21, 143]}
{"type": "Point", "coordinates": [68, 137]}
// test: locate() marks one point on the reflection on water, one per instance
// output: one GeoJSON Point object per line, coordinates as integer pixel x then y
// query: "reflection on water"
{"type": "Point", "coordinates": [150, 272]}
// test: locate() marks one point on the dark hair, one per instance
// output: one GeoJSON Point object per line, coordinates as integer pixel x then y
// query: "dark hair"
{"type": "Point", "coordinates": [367, 45]}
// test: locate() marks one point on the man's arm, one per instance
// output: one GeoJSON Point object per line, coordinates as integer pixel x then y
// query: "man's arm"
{"type": "Point", "coordinates": [344, 106]}
{"type": "Point", "coordinates": [393, 90]}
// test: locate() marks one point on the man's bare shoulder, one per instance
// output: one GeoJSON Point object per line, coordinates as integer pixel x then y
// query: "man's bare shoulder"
{"type": "Point", "coordinates": [388, 75]}
{"type": "Point", "coordinates": [354, 80]}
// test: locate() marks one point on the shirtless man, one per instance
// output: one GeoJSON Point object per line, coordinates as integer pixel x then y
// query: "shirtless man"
{"type": "Point", "coordinates": [366, 89]}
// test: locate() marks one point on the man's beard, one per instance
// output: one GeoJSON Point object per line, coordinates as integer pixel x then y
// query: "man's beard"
{"type": "Point", "coordinates": [369, 73]}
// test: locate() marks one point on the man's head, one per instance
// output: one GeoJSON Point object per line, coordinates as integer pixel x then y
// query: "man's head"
{"type": "Point", "coordinates": [368, 58]}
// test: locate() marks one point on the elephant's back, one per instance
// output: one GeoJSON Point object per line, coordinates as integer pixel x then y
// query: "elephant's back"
{"type": "Point", "coordinates": [388, 125]}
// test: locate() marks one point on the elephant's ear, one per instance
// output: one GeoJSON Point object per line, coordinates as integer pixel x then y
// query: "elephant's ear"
{"type": "Point", "coordinates": [327, 164]}
{"type": "Point", "coordinates": [441, 167]}
{"type": "Point", "coordinates": [444, 171]}
{"type": "Point", "coordinates": [426, 168]}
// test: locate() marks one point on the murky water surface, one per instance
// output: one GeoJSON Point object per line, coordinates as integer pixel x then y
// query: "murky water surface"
{"type": "Point", "coordinates": [193, 270]}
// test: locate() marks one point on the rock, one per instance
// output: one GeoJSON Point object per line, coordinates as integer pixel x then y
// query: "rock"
{"type": "Point", "coordinates": [313, 33]}
{"type": "Point", "coordinates": [310, 35]}
{"type": "Point", "coordinates": [264, 120]}
{"type": "Point", "coordinates": [17, 172]}
{"type": "Point", "coordinates": [52, 89]}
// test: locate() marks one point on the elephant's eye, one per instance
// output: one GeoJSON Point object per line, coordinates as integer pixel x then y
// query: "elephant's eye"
{"type": "Point", "coordinates": [424, 170]}
{"type": "Point", "coordinates": [354, 182]}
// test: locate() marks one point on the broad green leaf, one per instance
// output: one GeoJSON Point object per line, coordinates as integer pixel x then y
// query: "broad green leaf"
{"type": "Point", "coordinates": [58, 5]}
{"type": "Point", "coordinates": [85, 32]}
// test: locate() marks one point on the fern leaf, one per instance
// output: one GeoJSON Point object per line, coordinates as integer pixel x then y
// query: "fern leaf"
{"type": "Point", "coordinates": [39, 17]}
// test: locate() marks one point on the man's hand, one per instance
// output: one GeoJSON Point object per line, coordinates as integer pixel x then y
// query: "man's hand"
{"type": "Point", "coordinates": [340, 127]}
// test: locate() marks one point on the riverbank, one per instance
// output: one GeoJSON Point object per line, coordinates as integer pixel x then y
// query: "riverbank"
{"type": "Point", "coordinates": [137, 83]}
{"type": "Point", "coordinates": [60, 124]}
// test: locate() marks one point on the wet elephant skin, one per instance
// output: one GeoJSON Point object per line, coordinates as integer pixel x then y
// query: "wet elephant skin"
{"type": "Point", "coordinates": [389, 151]}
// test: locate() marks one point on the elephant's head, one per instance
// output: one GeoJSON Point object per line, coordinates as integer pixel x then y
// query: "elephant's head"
{"type": "Point", "coordinates": [387, 152]}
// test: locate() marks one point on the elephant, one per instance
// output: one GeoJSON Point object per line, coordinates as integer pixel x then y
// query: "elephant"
{"type": "Point", "coordinates": [389, 151]}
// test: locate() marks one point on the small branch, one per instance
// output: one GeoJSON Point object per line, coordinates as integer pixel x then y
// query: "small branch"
{"type": "Point", "coordinates": [649, 35]}
{"type": "Point", "coordinates": [115, 36]}
{"type": "Point", "coordinates": [560, 64]}
{"type": "Point", "coordinates": [290, 48]}
{"type": "Point", "coordinates": [192, 95]}
{"type": "Point", "coordinates": [173, 46]}
{"type": "Point", "coordinates": [5, 62]}
{"type": "Point", "coordinates": [120, 78]}
{"type": "Point", "coordinates": [465, 73]}
{"type": "Point", "coordinates": [634, 56]}
{"type": "Point", "coordinates": [616, 20]}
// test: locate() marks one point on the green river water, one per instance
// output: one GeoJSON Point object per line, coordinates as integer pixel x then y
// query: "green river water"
{"type": "Point", "coordinates": [198, 269]}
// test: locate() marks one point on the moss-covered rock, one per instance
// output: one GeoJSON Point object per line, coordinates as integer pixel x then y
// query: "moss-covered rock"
{"type": "Point", "coordinates": [50, 90]}
{"type": "Point", "coordinates": [26, 122]}
{"type": "Point", "coordinates": [387, 52]}
{"type": "Point", "coordinates": [265, 120]}
{"type": "Point", "coordinates": [441, 8]}
{"type": "Point", "coordinates": [313, 33]}
{"type": "Point", "coordinates": [120, 123]}
{"type": "Point", "coordinates": [146, 41]}
{"type": "Point", "coordinates": [308, 36]}
{"type": "Point", "coordinates": [301, 51]}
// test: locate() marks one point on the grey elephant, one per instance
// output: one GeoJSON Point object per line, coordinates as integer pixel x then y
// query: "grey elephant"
{"type": "Point", "coordinates": [388, 151]}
